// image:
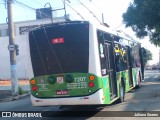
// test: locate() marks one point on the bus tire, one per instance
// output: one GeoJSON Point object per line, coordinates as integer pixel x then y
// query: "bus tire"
{"type": "Point", "coordinates": [121, 92]}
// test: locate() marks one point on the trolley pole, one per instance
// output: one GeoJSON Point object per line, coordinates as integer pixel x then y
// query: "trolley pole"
{"type": "Point", "coordinates": [12, 49]}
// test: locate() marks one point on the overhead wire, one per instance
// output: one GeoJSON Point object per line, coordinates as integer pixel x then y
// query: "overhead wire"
{"type": "Point", "coordinates": [74, 9]}
{"type": "Point", "coordinates": [38, 2]}
{"type": "Point", "coordinates": [29, 26]}
{"type": "Point", "coordinates": [39, 52]}
{"type": "Point", "coordinates": [53, 51]}
{"type": "Point", "coordinates": [46, 15]}
{"type": "Point", "coordinates": [48, 43]}
{"type": "Point", "coordinates": [4, 3]}
{"type": "Point", "coordinates": [90, 12]}
{"type": "Point", "coordinates": [118, 27]}
{"type": "Point", "coordinates": [77, 3]}
{"type": "Point", "coordinates": [100, 10]}
{"type": "Point", "coordinates": [33, 9]}
{"type": "Point", "coordinates": [95, 6]}
{"type": "Point", "coordinates": [24, 5]}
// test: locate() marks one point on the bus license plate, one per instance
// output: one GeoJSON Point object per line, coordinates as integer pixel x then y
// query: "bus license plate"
{"type": "Point", "coordinates": [61, 92]}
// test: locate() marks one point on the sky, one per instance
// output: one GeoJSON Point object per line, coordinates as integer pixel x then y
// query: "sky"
{"type": "Point", "coordinates": [112, 11]}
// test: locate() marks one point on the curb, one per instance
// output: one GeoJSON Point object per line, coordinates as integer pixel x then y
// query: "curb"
{"type": "Point", "coordinates": [12, 98]}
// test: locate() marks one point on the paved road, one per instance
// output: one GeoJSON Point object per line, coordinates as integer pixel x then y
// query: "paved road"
{"type": "Point", "coordinates": [147, 98]}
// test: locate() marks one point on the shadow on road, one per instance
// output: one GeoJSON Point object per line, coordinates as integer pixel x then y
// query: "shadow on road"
{"type": "Point", "coordinates": [74, 111]}
{"type": "Point", "coordinates": [147, 97]}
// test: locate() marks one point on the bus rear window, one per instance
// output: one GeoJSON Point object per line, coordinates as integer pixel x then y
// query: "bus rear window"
{"type": "Point", "coordinates": [60, 49]}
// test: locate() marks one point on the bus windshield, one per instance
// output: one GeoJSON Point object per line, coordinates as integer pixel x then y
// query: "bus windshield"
{"type": "Point", "coordinates": [60, 48]}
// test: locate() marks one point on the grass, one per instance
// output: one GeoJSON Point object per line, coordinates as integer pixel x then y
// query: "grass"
{"type": "Point", "coordinates": [21, 91]}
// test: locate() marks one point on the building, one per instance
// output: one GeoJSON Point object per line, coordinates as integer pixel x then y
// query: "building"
{"type": "Point", "coordinates": [24, 68]}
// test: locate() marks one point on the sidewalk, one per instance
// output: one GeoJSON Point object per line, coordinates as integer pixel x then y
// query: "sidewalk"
{"type": "Point", "coordinates": [6, 96]}
{"type": "Point", "coordinates": [6, 93]}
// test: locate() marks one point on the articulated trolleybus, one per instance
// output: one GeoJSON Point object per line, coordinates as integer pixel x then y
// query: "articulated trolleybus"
{"type": "Point", "coordinates": [79, 63]}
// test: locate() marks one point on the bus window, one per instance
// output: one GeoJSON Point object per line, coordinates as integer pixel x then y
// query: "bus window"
{"type": "Point", "coordinates": [101, 51]}
{"type": "Point", "coordinates": [135, 56]}
{"type": "Point", "coordinates": [60, 49]}
{"type": "Point", "coordinates": [108, 37]}
{"type": "Point", "coordinates": [120, 58]}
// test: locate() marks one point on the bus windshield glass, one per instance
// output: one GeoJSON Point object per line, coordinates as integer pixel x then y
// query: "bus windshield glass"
{"type": "Point", "coordinates": [60, 48]}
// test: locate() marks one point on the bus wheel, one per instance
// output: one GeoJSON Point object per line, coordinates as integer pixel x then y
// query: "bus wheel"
{"type": "Point", "coordinates": [122, 93]}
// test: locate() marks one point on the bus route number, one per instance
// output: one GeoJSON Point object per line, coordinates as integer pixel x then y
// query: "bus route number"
{"type": "Point", "coordinates": [80, 79]}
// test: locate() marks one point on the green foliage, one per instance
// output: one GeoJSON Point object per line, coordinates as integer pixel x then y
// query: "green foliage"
{"type": "Point", "coordinates": [21, 91]}
{"type": "Point", "coordinates": [143, 16]}
{"type": "Point", "coordinates": [147, 55]}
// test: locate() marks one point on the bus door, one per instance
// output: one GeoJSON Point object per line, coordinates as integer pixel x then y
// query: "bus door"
{"type": "Point", "coordinates": [111, 68]}
{"type": "Point", "coordinates": [129, 64]}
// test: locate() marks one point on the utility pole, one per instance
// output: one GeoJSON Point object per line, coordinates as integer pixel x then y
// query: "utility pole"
{"type": "Point", "coordinates": [12, 49]}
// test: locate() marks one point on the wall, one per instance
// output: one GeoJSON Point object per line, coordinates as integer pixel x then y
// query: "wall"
{"type": "Point", "coordinates": [24, 68]}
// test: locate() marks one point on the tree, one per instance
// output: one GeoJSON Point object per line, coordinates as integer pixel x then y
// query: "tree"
{"type": "Point", "coordinates": [147, 55]}
{"type": "Point", "coordinates": [143, 16]}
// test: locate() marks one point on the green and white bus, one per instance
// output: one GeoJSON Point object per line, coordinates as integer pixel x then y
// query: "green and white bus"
{"type": "Point", "coordinates": [80, 63]}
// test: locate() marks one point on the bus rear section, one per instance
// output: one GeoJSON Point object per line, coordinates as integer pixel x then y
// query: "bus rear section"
{"type": "Point", "coordinates": [60, 60]}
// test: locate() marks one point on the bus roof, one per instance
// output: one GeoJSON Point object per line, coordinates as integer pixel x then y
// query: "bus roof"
{"type": "Point", "coordinates": [126, 37]}
{"type": "Point", "coordinates": [98, 26]}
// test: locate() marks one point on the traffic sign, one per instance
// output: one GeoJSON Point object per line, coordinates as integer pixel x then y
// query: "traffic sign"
{"type": "Point", "coordinates": [11, 47]}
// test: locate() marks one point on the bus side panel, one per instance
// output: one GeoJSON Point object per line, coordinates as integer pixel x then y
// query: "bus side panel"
{"type": "Point", "coordinates": [94, 61]}
{"type": "Point", "coordinates": [126, 80]}
{"type": "Point", "coordinates": [118, 79]}
{"type": "Point", "coordinates": [134, 77]}
{"type": "Point", "coordinates": [124, 75]}
{"type": "Point", "coordinates": [106, 90]}
{"type": "Point", "coordinates": [138, 73]}
{"type": "Point", "coordinates": [119, 76]}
